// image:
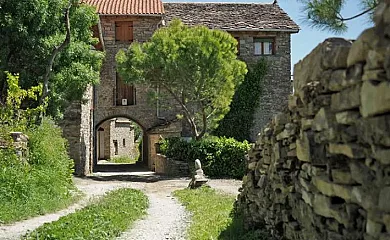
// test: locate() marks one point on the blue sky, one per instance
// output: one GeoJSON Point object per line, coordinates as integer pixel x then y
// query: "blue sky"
{"type": "Point", "coordinates": [308, 38]}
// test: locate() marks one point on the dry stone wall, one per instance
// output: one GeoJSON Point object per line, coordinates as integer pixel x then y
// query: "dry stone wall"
{"type": "Point", "coordinates": [321, 168]}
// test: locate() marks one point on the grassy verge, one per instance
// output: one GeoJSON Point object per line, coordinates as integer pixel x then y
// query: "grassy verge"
{"type": "Point", "coordinates": [105, 219]}
{"type": "Point", "coordinates": [123, 160]}
{"type": "Point", "coordinates": [212, 216]}
{"type": "Point", "coordinates": [40, 183]}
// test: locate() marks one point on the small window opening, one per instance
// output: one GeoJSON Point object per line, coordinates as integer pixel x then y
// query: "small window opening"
{"type": "Point", "coordinates": [264, 46]}
{"type": "Point", "coordinates": [124, 142]}
{"type": "Point", "coordinates": [115, 147]}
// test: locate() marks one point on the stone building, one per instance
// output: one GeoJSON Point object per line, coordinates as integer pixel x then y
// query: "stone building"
{"type": "Point", "coordinates": [263, 30]}
{"type": "Point", "coordinates": [115, 138]}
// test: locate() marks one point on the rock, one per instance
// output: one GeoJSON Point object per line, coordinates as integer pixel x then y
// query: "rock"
{"type": "Point", "coordinates": [375, 98]}
{"type": "Point", "coordinates": [375, 60]}
{"type": "Point", "coordinates": [331, 189]}
{"type": "Point", "coordinates": [349, 150]}
{"type": "Point", "coordinates": [341, 176]}
{"type": "Point", "coordinates": [374, 130]}
{"type": "Point", "coordinates": [382, 155]}
{"type": "Point", "coordinates": [346, 99]}
{"type": "Point", "coordinates": [303, 148]}
{"type": "Point", "coordinates": [347, 117]}
{"type": "Point", "coordinates": [282, 118]}
{"type": "Point", "coordinates": [323, 120]}
{"type": "Point", "coordinates": [386, 221]}
{"type": "Point", "coordinates": [359, 49]}
{"type": "Point", "coordinates": [360, 173]}
{"type": "Point", "coordinates": [306, 123]}
{"type": "Point", "coordinates": [384, 199]}
{"type": "Point", "coordinates": [365, 197]}
{"type": "Point", "coordinates": [322, 206]}
{"type": "Point", "coordinates": [373, 228]}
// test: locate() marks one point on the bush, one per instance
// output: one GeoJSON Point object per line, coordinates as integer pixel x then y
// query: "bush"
{"type": "Point", "coordinates": [220, 157]}
{"type": "Point", "coordinates": [42, 184]}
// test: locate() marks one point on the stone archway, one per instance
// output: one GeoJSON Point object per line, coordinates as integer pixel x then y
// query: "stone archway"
{"type": "Point", "coordinates": [110, 139]}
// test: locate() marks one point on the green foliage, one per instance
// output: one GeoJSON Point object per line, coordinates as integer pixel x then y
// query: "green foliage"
{"type": "Point", "coordinates": [220, 157]}
{"type": "Point", "coordinates": [41, 185]}
{"type": "Point", "coordinates": [326, 14]}
{"type": "Point", "coordinates": [12, 117]}
{"type": "Point", "coordinates": [238, 121]}
{"type": "Point", "coordinates": [30, 30]}
{"type": "Point", "coordinates": [105, 219]}
{"type": "Point", "coordinates": [194, 66]}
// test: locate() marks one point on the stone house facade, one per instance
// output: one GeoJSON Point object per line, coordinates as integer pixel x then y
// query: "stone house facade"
{"type": "Point", "coordinates": [115, 138]}
{"type": "Point", "coordinates": [263, 30]}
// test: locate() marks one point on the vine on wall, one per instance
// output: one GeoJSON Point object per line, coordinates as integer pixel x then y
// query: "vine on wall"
{"type": "Point", "coordinates": [238, 121]}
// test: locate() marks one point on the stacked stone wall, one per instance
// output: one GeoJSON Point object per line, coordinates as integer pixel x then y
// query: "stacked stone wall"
{"type": "Point", "coordinates": [321, 169]}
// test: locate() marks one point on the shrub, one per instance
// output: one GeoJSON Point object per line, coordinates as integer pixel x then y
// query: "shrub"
{"type": "Point", "coordinates": [220, 157]}
{"type": "Point", "coordinates": [42, 184]}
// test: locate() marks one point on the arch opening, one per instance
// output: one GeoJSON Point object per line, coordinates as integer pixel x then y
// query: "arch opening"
{"type": "Point", "coordinates": [119, 141]}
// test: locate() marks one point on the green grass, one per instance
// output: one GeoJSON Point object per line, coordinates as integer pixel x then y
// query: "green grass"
{"type": "Point", "coordinates": [213, 218]}
{"type": "Point", "coordinates": [105, 219]}
{"type": "Point", "coordinates": [42, 183]}
{"type": "Point", "coordinates": [123, 159]}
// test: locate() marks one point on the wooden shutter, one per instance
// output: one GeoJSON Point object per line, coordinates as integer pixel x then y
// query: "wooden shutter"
{"type": "Point", "coordinates": [124, 91]}
{"type": "Point", "coordinates": [124, 31]}
{"type": "Point", "coordinates": [95, 31]}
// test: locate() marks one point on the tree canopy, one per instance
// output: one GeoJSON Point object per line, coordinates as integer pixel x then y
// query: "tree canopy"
{"type": "Point", "coordinates": [327, 14]}
{"type": "Point", "coordinates": [195, 66]}
{"type": "Point", "coordinates": [31, 30]}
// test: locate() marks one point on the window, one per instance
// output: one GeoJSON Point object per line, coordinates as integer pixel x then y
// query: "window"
{"type": "Point", "coordinates": [264, 46]}
{"type": "Point", "coordinates": [124, 31]}
{"type": "Point", "coordinates": [238, 45]}
{"type": "Point", "coordinates": [124, 142]}
{"type": "Point", "coordinates": [125, 93]}
{"type": "Point", "coordinates": [115, 147]}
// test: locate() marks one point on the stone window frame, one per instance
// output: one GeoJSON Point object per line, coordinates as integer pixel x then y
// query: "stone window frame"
{"type": "Point", "coordinates": [263, 40]}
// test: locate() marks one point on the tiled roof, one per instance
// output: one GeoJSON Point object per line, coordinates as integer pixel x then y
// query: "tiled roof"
{"type": "Point", "coordinates": [127, 7]}
{"type": "Point", "coordinates": [232, 16]}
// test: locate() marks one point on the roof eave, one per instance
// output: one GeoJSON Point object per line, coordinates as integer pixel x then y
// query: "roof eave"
{"type": "Point", "coordinates": [134, 15]}
{"type": "Point", "coordinates": [262, 30]}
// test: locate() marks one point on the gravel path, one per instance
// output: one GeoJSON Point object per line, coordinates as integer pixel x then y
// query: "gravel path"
{"type": "Point", "coordinates": [166, 218]}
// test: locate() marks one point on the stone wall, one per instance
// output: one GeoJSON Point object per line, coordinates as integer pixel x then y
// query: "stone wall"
{"type": "Point", "coordinates": [77, 129]}
{"type": "Point", "coordinates": [321, 169]}
{"type": "Point", "coordinates": [277, 85]}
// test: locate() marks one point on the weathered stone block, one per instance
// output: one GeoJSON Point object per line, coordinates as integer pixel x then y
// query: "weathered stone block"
{"type": "Point", "coordinates": [365, 196]}
{"type": "Point", "coordinates": [375, 98]}
{"type": "Point", "coordinates": [323, 120]}
{"type": "Point", "coordinates": [342, 176]}
{"type": "Point", "coordinates": [331, 189]}
{"type": "Point", "coordinates": [347, 117]}
{"type": "Point", "coordinates": [373, 228]}
{"type": "Point", "coordinates": [346, 99]}
{"type": "Point", "coordinates": [360, 173]}
{"type": "Point", "coordinates": [322, 206]}
{"type": "Point", "coordinates": [359, 49]}
{"type": "Point", "coordinates": [350, 150]}
{"type": "Point", "coordinates": [303, 148]}
{"type": "Point", "coordinates": [384, 199]}
{"type": "Point", "coordinates": [306, 123]}
{"type": "Point", "coordinates": [382, 155]}
{"type": "Point", "coordinates": [375, 130]}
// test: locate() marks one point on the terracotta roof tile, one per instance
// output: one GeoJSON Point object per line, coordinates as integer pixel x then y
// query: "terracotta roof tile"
{"type": "Point", "coordinates": [232, 16]}
{"type": "Point", "coordinates": [127, 7]}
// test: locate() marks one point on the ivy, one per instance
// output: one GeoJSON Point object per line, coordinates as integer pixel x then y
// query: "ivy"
{"type": "Point", "coordinates": [238, 121]}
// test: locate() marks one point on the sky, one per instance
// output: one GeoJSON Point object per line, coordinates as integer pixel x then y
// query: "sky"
{"type": "Point", "coordinates": [308, 38]}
